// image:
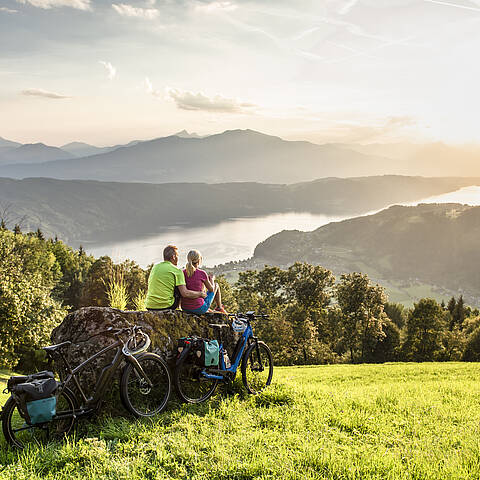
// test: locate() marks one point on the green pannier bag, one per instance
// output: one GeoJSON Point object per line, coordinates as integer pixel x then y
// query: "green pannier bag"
{"type": "Point", "coordinates": [35, 396]}
{"type": "Point", "coordinates": [211, 353]}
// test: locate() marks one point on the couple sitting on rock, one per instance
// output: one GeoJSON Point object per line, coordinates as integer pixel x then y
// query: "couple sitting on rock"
{"type": "Point", "coordinates": [194, 289]}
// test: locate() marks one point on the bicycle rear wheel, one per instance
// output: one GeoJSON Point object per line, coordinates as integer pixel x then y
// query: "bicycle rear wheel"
{"type": "Point", "coordinates": [19, 434]}
{"type": "Point", "coordinates": [138, 397]}
{"type": "Point", "coordinates": [257, 368]}
{"type": "Point", "coordinates": [190, 384]}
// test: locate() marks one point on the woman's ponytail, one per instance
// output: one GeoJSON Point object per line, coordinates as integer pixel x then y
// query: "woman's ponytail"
{"type": "Point", "coordinates": [194, 259]}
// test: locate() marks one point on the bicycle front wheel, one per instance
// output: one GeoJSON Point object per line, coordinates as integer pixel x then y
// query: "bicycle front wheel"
{"type": "Point", "coordinates": [190, 384]}
{"type": "Point", "coordinates": [19, 434]}
{"type": "Point", "coordinates": [146, 394]}
{"type": "Point", "coordinates": [257, 368]}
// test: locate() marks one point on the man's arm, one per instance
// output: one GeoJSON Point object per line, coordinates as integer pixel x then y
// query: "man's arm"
{"type": "Point", "coordinates": [186, 293]}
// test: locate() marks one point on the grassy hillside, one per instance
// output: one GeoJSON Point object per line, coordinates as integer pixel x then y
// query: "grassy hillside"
{"type": "Point", "coordinates": [79, 211]}
{"type": "Point", "coordinates": [392, 421]}
{"type": "Point", "coordinates": [430, 243]}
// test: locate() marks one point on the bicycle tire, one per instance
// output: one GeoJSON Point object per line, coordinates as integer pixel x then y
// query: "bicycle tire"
{"type": "Point", "coordinates": [137, 396]}
{"type": "Point", "coordinates": [19, 435]}
{"type": "Point", "coordinates": [255, 381]}
{"type": "Point", "coordinates": [190, 385]}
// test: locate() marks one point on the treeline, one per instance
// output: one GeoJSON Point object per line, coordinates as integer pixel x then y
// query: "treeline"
{"type": "Point", "coordinates": [41, 280]}
{"type": "Point", "coordinates": [313, 318]}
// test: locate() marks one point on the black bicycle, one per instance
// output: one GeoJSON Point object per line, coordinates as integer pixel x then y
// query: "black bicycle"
{"type": "Point", "coordinates": [195, 382]}
{"type": "Point", "coordinates": [145, 388]}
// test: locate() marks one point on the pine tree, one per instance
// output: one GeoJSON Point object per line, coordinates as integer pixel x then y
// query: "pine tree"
{"type": "Point", "coordinates": [451, 305]}
{"type": "Point", "coordinates": [3, 225]}
{"type": "Point", "coordinates": [459, 312]}
{"type": "Point", "coordinates": [16, 230]}
{"type": "Point", "coordinates": [39, 234]}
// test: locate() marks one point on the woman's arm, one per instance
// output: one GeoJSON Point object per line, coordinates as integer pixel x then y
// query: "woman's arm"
{"type": "Point", "coordinates": [209, 283]}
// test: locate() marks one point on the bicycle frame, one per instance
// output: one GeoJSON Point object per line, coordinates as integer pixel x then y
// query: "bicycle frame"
{"type": "Point", "coordinates": [104, 379]}
{"type": "Point", "coordinates": [246, 335]}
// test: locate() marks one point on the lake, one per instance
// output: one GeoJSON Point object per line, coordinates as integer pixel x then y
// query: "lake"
{"type": "Point", "coordinates": [236, 238]}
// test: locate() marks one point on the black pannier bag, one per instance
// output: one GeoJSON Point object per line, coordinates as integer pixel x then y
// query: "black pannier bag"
{"type": "Point", "coordinates": [35, 396]}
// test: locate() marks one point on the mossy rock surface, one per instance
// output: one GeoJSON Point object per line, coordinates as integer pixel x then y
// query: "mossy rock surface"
{"type": "Point", "coordinates": [86, 327]}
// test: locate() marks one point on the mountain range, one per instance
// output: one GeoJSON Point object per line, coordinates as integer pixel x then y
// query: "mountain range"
{"type": "Point", "coordinates": [90, 211]}
{"type": "Point", "coordinates": [14, 153]}
{"type": "Point", "coordinates": [234, 155]}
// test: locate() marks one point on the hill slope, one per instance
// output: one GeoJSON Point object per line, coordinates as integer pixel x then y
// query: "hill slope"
{"type": "Point", "coordinates": [92, 211]}
{"type": "Point", "coordinates": [434, 243]}
{"type": "Point", "coordinates": [32, 153]}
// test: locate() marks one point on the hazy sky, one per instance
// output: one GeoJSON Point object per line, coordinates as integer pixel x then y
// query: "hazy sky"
{"type": "Point", "coordinates": [334, 70]}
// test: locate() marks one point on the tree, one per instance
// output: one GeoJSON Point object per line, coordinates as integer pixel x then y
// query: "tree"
{"type": "Point", "coordinates": [28, 313]}
{"type": "Point", "coordinates": [425, 327]}
{"type": "Point", "coordinates": [459, 313]}
{"type": "Point", "coordinates": [93, 290]}
{"type": "Point", "coordinates": [362, 306]}
{"type": "Point", "coordinates": [451, 305]}
{"type": "Point", "coordinates": [396, 313]}
{"type": "Point", "coordinates": [228, 296]}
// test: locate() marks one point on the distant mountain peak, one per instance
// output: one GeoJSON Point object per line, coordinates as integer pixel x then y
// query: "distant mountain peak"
{"type": "Point", "coordinates": [186, 134]}
{"type": "Point", "coordinates": [8, 143]}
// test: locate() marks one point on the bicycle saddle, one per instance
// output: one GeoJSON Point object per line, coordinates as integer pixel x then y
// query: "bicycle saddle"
{"type": "Point", "coordinates": [52, 348]}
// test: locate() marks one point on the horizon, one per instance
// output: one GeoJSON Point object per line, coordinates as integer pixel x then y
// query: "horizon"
{"type": "Point", "coordinates": [124, 142]}
{"type": "Point", "coordinates": [344, 71]}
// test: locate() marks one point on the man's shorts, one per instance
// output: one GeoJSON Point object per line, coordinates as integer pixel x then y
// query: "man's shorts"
{"type": "Point", "coordinates": [207, 301]}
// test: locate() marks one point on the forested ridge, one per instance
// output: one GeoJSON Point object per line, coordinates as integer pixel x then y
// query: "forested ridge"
{"type": "Point", "coordinates": [435, 243]}
{"type": "Point", "coordinates": [79, 211]}
{"type": "Point", "coordinates": [314, 318]}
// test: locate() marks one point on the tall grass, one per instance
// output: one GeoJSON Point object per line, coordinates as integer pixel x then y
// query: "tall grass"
{"type": "Point", "coordinates": [116, 290]}
{"type": "Point", "coordinates": [139, 301]}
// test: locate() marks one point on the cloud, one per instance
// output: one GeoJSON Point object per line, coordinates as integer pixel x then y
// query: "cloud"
{"type": "Point", "coordinates": [382, 130]}
{"type": "Point", "coordinates": [111, 70]}
{"type": "Point", "coordinates": [147, 84]}
{"type": "Point", "coordinates": [38, 92]}
{"type": "Point", "coordinates": [347, 6]}
{"type": "Point", "coordinates": [456, 5]}
{"type": "Point", "coordinates": [216, 6]}
{"type": "Point", "coordinates": [47, 4]}
{"type": "Point", "coordinates": [8, 10]}
{"type": "Point", "coordinates": [129, 11]}
{"type": "Point", "coordinates": [199, 102]}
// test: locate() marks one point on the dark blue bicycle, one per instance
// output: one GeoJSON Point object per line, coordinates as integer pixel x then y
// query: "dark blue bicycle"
{"type": "Point", "coordinates": [196, 382]}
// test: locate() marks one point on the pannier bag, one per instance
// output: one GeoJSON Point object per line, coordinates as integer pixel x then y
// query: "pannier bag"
{"type": "Point", "coordinates": [207, 352]}
{"type": "Point", "coordinates": [35, 396]}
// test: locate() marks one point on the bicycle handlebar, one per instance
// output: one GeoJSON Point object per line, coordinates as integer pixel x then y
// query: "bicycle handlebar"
{"type": "Point", "coordinates": [248, 315]}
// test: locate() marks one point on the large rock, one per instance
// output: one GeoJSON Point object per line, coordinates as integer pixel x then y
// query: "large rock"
{"type": "Point", "coordinates": [85, 328]}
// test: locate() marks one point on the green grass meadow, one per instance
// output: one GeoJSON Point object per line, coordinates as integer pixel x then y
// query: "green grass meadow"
{"type": "Point", "coordinates": [392, 421]}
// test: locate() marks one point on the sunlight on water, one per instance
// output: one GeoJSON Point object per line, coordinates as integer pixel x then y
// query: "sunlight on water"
{"type": "Point", "coordinates": [236, 239]}
{"type": "Point", "coordinates": [467, 196]}
{"type": "Point", "coordinates": [230, 240]}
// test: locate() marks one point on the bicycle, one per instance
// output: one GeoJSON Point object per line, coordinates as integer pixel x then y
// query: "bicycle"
{"type": "Point", "coordinates": [145, 388]}
{"type": "Point", "coordinates": [195, 383]}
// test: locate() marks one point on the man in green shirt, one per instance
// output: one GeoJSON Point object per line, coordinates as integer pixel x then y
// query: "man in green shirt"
{"type": "Point", "coordinates": [166, 283]}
